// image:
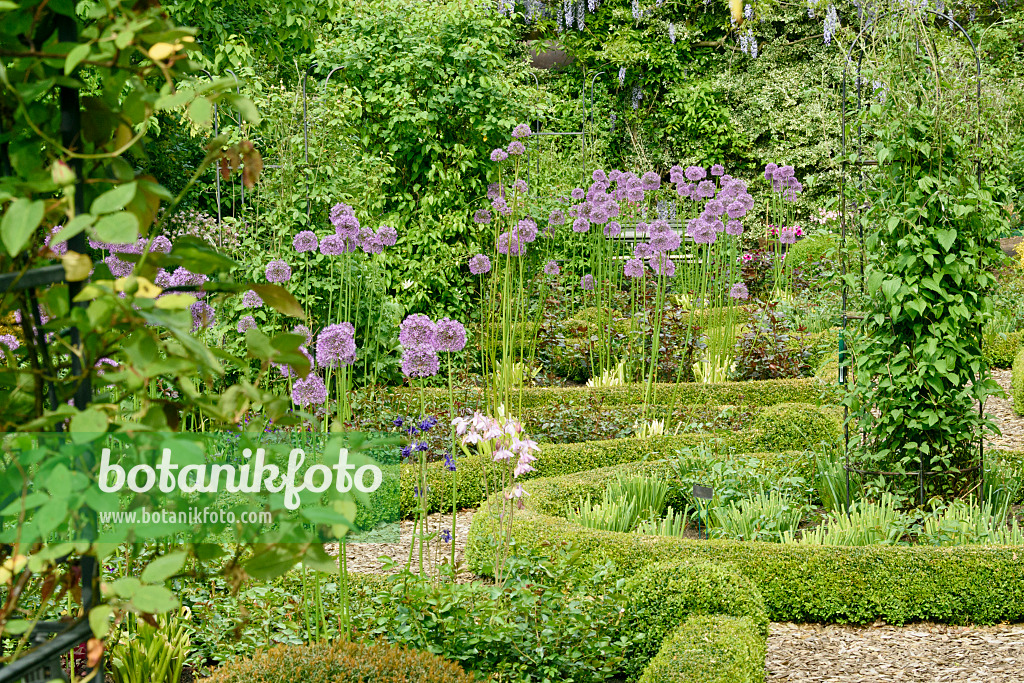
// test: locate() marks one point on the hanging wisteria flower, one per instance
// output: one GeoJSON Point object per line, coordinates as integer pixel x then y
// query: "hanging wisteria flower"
{"type": "Point", "coordinates": [309, 391]}
{"type": "Point", "coordinates": [482, 216]}
{"type": "Point", "coordinates": [8, 342]}
{"type": "Point", "coordinates": [695, 173]}
{"type": "Point", "coordinates": [511, 243]}
{"type": "Point", "coordinates": [633, 267]}
{"type": "Point", "coordinates": [734, 228]}
{"type": "Point", "coordinates": [278, 271]}
{"type": "Point", "coordinates": [661, 264]}
{"type": "Point", "coordinates": [587, 282]}
{"type": "Point", "coordinates": [718, 170]}
{"type": "Point", "coordinates": [420, 362]}
{"type": "Point", "coordinates": [450, 335]}
{"type": "Point", "coordinates": [831, 23]}
{"type": "Point", "coordinates": [204, 315]}
{"type": "Point", "coordinates": [622, 76]}
{"type": "Point", "coordinates": [387, 235]}
{"type": "Point", "coordinates": [336, 345]}
{"type": "Point", "coordinates": [522, 130]}
{"type": "Point", "coordinates": [580, 225]}
{"type": "Point", "coordinates": [527, 230]}
{"type": "Point", "coordinates": [613, 229]}
{"type": "Point", "coordinates": [251, 300]}
{"type": "Point", "coordinates": [672, 33]}
{"type": "Point", "coordinates": [246, 323]}
{"type": "Point", "coordinates": [479, 264]}
{"type": "Point", "coordinates": [552, 268]}
{"type": "Point", "coordinates": [516, 147]}
{"type": "Point", "coordinates": [417, 331]}
{"type": "Point", "coordinates": [557, 217]}
{"type": "Point", "coordinates": [499, 155]}
{"type": "Point", "coordinates": [304, 331]}
{"type": "Point", "coordinates": [305, 241]}
{"type": "Point", "coordinates": [739, 291]}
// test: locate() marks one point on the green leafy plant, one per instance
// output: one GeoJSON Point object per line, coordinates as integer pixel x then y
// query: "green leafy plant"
{"type": "Point", "coordinates": [152, 652]}
{"type": "Point", "coordinates": [764, 517]}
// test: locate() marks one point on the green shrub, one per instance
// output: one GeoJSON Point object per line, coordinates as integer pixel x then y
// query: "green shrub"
{"type": "Point", "coordinates": [1017, 386]}
{"type": "Point", "coordinates": [664, 594]}
{"type": "Point", "coordinates": [710, 649]}
{"type": "Point", "coordinates": [340, 662]}
{"type": "Point", "coordinates": [1000, 349]}
{"type": "Point", "coordinates": [811, 251]}
{"type": "Point", "coordinates": [788, 426]}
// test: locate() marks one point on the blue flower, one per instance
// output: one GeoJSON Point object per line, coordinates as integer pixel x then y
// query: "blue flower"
{"type": "Point", "coordinates": [449, 462]}
{"type": "Point", "coordinates": [406, 451]}
{"type": "Point", "coordinates": [399, 422]}
{"type": "Point", "coordinates": [421, 446]}
{"type": "Point", "coordinates": [446, 536]}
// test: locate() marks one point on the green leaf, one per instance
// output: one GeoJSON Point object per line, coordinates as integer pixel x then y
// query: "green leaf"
{"type": "Point", "coordinates": [118, 228]}
{"type": "Point", "coordinates": [946, 238]}
{"type": "Point", "coordinates": [20, 221]}
{"type": "Point", "coordinates": [88, 425]}
{"type": "Point", "coordinates": [154, 600]}
{"type": "Point", "coordinates": [99, 620]}
{"type": "Point", "coordinates": [115, 199]}
{"type": "Point", "coordinates": [163, 568]}
{"type": "Point", "coordinates": [280, 299]}
{"type": "Point", "coordinates": [200, 111]}
{"type": "Point", "coordinates": [74, 58]}
{"type": "Point", "coordinates": [258, 344]}
{"type": "Point", "coordinates": [273, 561]}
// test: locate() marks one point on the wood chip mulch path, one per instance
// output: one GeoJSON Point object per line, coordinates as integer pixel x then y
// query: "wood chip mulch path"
{"type": "Point", "coordinates": [1001, 410]}
{"type": "Point", "coordinates": [925, 653]}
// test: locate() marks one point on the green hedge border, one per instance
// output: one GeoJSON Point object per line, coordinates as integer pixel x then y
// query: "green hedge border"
{"type": "Point", "coordinates": [711, 648]}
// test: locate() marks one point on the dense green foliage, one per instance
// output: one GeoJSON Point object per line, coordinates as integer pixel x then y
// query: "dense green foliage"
{"type": "Point", "coordinates": [710, 649]}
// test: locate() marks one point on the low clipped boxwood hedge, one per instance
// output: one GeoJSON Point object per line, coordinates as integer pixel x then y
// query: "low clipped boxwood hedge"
{"type": "Point", "coordinates": [341, 662]}
{"type": "Point", "coordinates": [798, 426]}
{"type": "Point", "coordinates": [965, 584]}
{"type": "Point", "coordinates": [1017, 386]}
{"type": "Point", "coordinates": [1001, 349]}
{"type": "Point", "coordinates": [710, 649]}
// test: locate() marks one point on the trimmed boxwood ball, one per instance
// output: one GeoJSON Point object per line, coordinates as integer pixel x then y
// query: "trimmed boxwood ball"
{"type": "Point", "coordinates": [341, 662]}
{"type": "Point", "coordinates": [664, 594]}
{"type": "Point", "coordinates": [811, 250]}
{"type": "Point", "coordinates": [787, 426]}
{"type": "Point", "coordinates": [1000, 349]}
{"type": "Point", "coordinates": [710, 649]}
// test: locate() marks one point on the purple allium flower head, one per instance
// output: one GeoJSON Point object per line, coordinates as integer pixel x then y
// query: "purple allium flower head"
{"type": "Point", "coordinates": [501, 206]}
{"type": "Point", "coordinates": [661, 264]}
{"type": "Point", "coordinates": [516, 147]}
{"type": "Point", "coordinates": [578, 193]}
{"type": "Point", "coordinates": [633, 267]}
{"type": "Point", "coordinates": [769, 170]}
{"type": "Point", "coordinates": [642, 250]}
{"type": "Point", "coordinates": [718, 170]}
{"type": "Point", "coordinates": [371, 242]}
{"type": "Point", "coordinates": [420, 362]}
{"type": "Point", "coordinates": [551, 268]}
{"type": "Point", "coordinates": [635, 194]}
{"type": "Point", "coordinates": [557, 217]}
{"type": "Point", "coordinates": [739, 291]}
{"type": "Point", "coordinates": [527, 230]}
{"type": "Point", "coordinates": [246, 323]}
{"type": "Point", "coordinates": [787, 235]}
{"type": "Point", "coordinates": [8, 342]}
{"type": "Point", "coordinates": [305, 241]}
{"type": "Point", "coordinates": [161, 245]}
{"type": "Point", "coordinates": [119, 268]}
{"type": "Point", "coordinates": [598, 214]}
{"type": "Point", "coordinates": [304, 331]}
{"type": "Point", "coordinates": [482, 216]}
{"type": "Point", "coordinates": [341, 209]}
{"type": "Point", "coordinates": [309, 391]}
{"type": "Point", "coordinates": [587, 282]}
{"type": "Point", "coordinates": [479, 264]}
{"type": "Point", "coordinates": [58, 248]}
{"type": "Point", "coordinates": [336, 345]}
{"type": "Point", "coordinates": [450, 335]}
{"type": "Point", "coordinates": [520, 186]}
{"type": "Point", "coordinates": [659, 225]}
{"type": "Point", "coordinates": [511, 243]}
{"type": "Point", "coordinates": [417, 331]}
{"type": "Point", "coordinates": [665, 241]}
{"type": "Point", "coordinates": [613, 229]}
{"type": "Point", "coordinates": [676, 174]}
{"type": "Point", "coordinates": [494, 190]}
{"type": "Point", "coordinates": [685, 190]}
{"type": "Point", "coordinates": [736, 209]}
{"type": "Point", "coordinates": [522, 130]}
{"type": "Point", "coordinates": [599, 176]}
{"type": "Point", "coordinates": [182, 277]}
{"type": "Point", "coordinates": [203, 315]}
{"type": "Point", "coordinates": [714, 207]}
{"type": "Point", "coordinates": [387, 235]}
{"type": "Point", "coordinates": [346, 225]}
{"type": "Point", "coordinates": [651, 181]}
{"type": "Point", "coordinates": [789, 194]}
{"type": "Point", "coordinates": [251, 300]}
{"type": "Point", "coordinates": [499, 155]}
{"type": "Point", "coordinates": [734, 228]}
{"type": "Point", "coordinates": [278, 271]}
{"type": "Point", "coordinates": [332, 245]}
{"type": "Point", "coordinates": [706, 189]}
{"type": "Point", "coordinates": [612, 208]}
{"type": "Point", "coordinates": [695, 173]}
{"type": "Point", "coordinates": [702, 231]}
{"type": "Point", "coordinates": [581, 225]}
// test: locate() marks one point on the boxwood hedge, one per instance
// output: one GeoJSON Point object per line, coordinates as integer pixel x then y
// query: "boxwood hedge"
{"type": "Point", "coordinates": [710, 649]}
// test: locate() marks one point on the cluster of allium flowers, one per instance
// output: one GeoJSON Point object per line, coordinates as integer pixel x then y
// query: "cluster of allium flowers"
{"type": "Point", "coordinates": [522, 130]}
{"type": "Point", "coordinates": [718, 170]}
{"type": "Point", "coordinates": [504, 439]}
{"type": "Point", "coordinates": [520, 186]}
{"type": "Point", "coordinates": [498, 155]}
{"type": "Point", "coordinates": [734, 228]}
{"type": "Point", "coordinates": [516, 147]}
{"type": "Point", "coordinates": [739, 291]}
{"type": "Point", "coordinates": [526, 230]}
{"type": "Point", "coordinates": [278, 271]}
{"type": "Point", "coordinates": [305, 241]}
{"type": "Point", "coordinates": [387, 235]}
{"type": "Point", "coordinates": [479, 264]}
{"type": "Point", "coordinates": [662, 264]}
{"type": "Point", "coordinates": [501, 206]}
{"type": "Point", "coordinates": [8, 342]}
{"type": "Point", "coordinates": [246, 323]}
{"type": "Point", "coordinates": [182, 277]}
{"type": "Point", "coordinates": [511, 244]}
{"type": "Point", "coordinates": [557, 217]}
{"type": "Point", "coordinates": [309, 391]}
{"type": "Point", "coordinates": [552, 268]}
{"type": "Point", "coordinates": [695, 173]}
{"type": "Point", "coordinates": [251, 300]}
{"type": "Point", "coordinates": [336, 345]}
{"type": "Point", "coordinates": [587, 282]}
{"type": "Point", "coordinates": [494, 190]}
{"type": "Point", "coordinates": [650, 181]}
{"type": "Point", "coordinates": [420, 362]}
{"type": "Point", "coordinates": [633, 267]}
{"type": "Point", "coordinates": [203, 315]}
{"type": "Point", "coordinates": [482, 216]}
{"type": "Point", "coordinates": [161, 244]}
{"type": "Point", "coordinates": [450, 335]}
{"type": "Point", "coordinates": [118, 268]}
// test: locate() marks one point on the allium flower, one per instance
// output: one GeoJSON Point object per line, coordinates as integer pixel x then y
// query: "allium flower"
{"type": "Point", "coordinates": [695, 173]}
{"type": "Point", "coordinates": [305, 241]}
{"type": "Point", "coordinates": [718, 170]}
{"type": "Point", "coordinates": [417, 331]}
{"type": "Point", "coordinates": [58, 248]}
{"type": "Point", "coordinates": [787, 235]}
{"type": "Point", "coordinates": [661, 264]}
{"type": "Point", "coordinates": [714, 207]}
{"type": "Point", "coordinates": [665, 241]}
{"type": "Point", "coordinates": [587, 282]}
{"type": "Point", "coordinates": [527, 230]}
{"type": "Point", "coordinates": [332, 245]}
{"type": "Point", "coordinates": [246, 323]}
{"type": "Point", "coordinates": [522, 131]}
{"type": "Point", "coordinates": [370, 242]}
{"type": "Point", "coordinates": [706, 189]}
{"type": "Point", "coordinates": [420, 362]}
{"type": "Point", "coordinates": [613, 229]}
{"type": "Point", "coordinates": [482, 216]}
{"type": "Point", "coordinates": [501, 206]}
{"type": "Point", "coordinates": [511, 243]}
{"type": "Point", "coordinates": [557, 217]}
{"type": "Point", "coordinates": [450, 335]}
{"type": "Point", "coordinates": [789, 195]}
{"type": "Point", "coordinates": [387, 235]}
{"type": "Point", "coordinates": [739, 291]}
{"type": "Point", "coordinates": [479, 264]}
{"type": "Point", "coordinates": [769, 170]}
{"type": "Point", "coordinates": [8, 342]}
{"type": "Point", "coordinates": [251, 300]}
{"type": "Point", "coordinates": [734, 228]}
{"type": "Point", "coordinates": [119, 268]}
{"type": "Point", "coordinates": [203, 315]}
{"type": "Point", "coordinates": [635, 194]}
{"type": "Point", "coordinates": [634, 267]}
{"type": "Point", "coordinates": [499, 155]}
{"type": "Point", "coordinates": [642, 250]}
{"type": "Point", "coordinates": [551, 268]}
{"type": "Point", "coordinates": [580, 225]}
{"type": "Point", "coordinates": [182, 277]}
{"type": "Point", "coordinates": [598, 214]}
{"type": "Point", "coordinates": [516, 147]}
{"type": "Point", "coordinates": [161, 245]}
{"type": "Point", "coordinates": [578, 193]}
{"type": "Point", "coordinates": [651, 181]}
{"type": "Point", "coordinates": [520, 186]}
{"type": "Point", "coordinates": [304, 331]}
{"type": "Point", "coordinates": [701, 231]}
{"type": "Point", "coordinates": [599, 176]}
{"type": "Point", "coordinates": [494, 190]}
{"type": "Point", "coordinates": [736, 209]}
{"type": "Point", "coordinates": [346, 225]}
{"type": "Point", "coordinates": [336, 345]}
{"type": "Point", "coordinates": [309, 391]}
{"type": "Point", "coordinates": [278, 271]}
